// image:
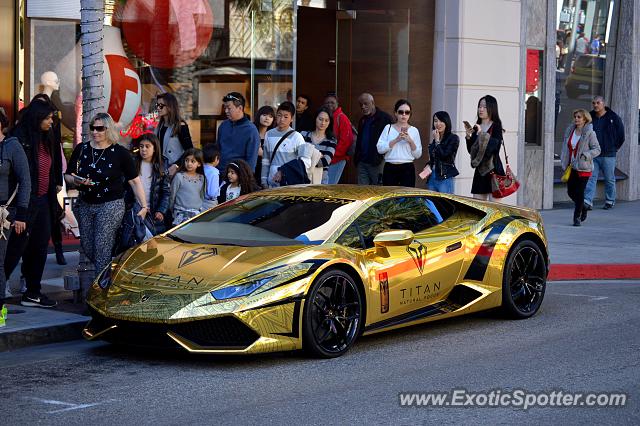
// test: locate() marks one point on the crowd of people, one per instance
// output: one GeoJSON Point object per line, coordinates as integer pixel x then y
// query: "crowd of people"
{"type": "Point", "coordinates": [163, 180]}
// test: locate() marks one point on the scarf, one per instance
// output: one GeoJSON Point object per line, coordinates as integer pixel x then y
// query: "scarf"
{"type": "Point", "coordinates": [478, 161]}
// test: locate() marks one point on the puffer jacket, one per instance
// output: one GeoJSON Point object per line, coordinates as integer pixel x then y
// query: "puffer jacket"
{"type": "Point", "coordinates": [588, 149]}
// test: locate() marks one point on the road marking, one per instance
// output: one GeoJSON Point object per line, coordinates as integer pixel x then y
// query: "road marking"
{"type": "Point", "coordinates": [69, 405]}
{"type": "Point", "coordinates": [581, 295]}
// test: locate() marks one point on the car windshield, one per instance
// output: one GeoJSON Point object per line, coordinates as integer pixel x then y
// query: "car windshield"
{"type": "Point", "coordinates": [268, 220]}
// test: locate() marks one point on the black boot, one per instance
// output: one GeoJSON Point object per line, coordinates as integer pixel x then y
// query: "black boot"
{"type": "Point", "coordinates": [576, 221]}
{"type": "Point", "coordinates": [585, 210]}
{"type": "Point", "coordinates": [60, 260]}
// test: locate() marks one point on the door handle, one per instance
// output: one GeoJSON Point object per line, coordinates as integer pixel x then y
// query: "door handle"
{"type": "Point", "coordinates": [454, 246]}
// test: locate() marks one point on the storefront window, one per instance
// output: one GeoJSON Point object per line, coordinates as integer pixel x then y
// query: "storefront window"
{"type": "Point", "coordinates": [533, 97]}
{"type": "Point", "coordinates": [582, 38]}
{"type": "Point", "coordinates": [211, 48]}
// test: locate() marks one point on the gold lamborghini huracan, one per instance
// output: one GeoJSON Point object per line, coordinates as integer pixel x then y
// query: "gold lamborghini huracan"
{"type": "Point", "coordinates": [314, 267]}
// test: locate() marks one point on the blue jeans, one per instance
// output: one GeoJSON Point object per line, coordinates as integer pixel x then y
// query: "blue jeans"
{"type": "Point", "coordinates": [440, 185]}
{"type": "Point", "coordinates": [606, 165]}
{"type": "Point", "coordinates": [335, 172]}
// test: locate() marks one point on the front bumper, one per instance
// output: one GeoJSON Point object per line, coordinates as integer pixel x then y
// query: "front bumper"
{"type": "Point", "coordinates": [272, 328]}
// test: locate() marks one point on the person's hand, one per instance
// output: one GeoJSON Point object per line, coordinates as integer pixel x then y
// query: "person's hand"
{"type": "Point", "coordinates": [79, 180]}
{"type": "Point", "coordinates": [435, 135]}
{"type": "Point", "coordinates": [409, 139]}
{"type": "Point", "coordinates": [277, 177]}
{"type": "Point", "coordinates": [159, 216]}
{"type": "Point", "coordinates": [468, 131]}
{"type": "Point", "coordinates": [172, 169]}
{"type": "Point", "coordinates": [143, 212]}
{"type": "Point", "coordinates": [19, 226]}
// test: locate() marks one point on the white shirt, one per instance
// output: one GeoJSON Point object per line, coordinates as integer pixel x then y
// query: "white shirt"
{"type": "Point", "coordinates": [575, 138]}
{"type": "Point", "coordinates": [401, 152]}
{"type": "Point", "coordinates": [233, 193]}
{"type": "Point", "coordinates": [581, 45]}
{"type": "Point", "coordinates": [146, 170]}
{"type": "Point", "coordinates": [291, 148]}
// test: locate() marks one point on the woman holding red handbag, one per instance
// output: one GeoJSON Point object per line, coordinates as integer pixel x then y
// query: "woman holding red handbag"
{"type": "Point", "coordinates": [483, 143]}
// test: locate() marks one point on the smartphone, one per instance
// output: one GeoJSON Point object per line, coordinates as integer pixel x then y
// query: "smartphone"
{"type": "Point", "coordinates": [467, 125]}
{"type": "Point", "coordinates": [80, 178]}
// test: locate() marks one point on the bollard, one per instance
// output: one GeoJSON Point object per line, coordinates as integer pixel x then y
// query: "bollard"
{"type": "Point", "coordinates": [86, 275]}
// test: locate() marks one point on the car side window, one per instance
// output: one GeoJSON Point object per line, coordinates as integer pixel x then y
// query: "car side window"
{"type": "Point", "coordinates": [416, 214]}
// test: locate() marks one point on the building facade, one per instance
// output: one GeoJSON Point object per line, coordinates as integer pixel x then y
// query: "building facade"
{"type": "Point", "coordinates": [439, 54]}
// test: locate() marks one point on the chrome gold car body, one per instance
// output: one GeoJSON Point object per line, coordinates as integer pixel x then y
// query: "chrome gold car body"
{"type": "Point", "coordinates": [414, 255]}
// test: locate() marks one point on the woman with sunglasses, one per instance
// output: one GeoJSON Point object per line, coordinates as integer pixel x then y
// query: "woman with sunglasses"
{"type": "Point", "coordinates": [98, 169]}
{"type": "Point", "coordinates": [172, 131]}
{"type": "Point", "coordinates": [400, 144]}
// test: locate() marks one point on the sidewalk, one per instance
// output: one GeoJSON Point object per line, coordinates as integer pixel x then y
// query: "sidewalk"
{"type": "Point", "coordinates": [604, 247]}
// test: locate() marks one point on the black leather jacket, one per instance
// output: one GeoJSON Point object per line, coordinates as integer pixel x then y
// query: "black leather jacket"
{"type": "Point", "coordinates": [442, 157]}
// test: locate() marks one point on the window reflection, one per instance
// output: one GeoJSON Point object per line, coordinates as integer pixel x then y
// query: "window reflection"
{"type": "Point", "coordinates": [582, 37]}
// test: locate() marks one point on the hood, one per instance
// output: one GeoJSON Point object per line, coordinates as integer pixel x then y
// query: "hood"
{"type": "Point", "coordinates": [173, 267]}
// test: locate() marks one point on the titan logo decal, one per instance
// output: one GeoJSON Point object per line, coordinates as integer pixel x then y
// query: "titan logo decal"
{"type": "Point", "coordinates": [192, 256]}
{"type": "Point", "coordinates": [419, 293]}
{"type": "Point", "coordinates": [419, 255]}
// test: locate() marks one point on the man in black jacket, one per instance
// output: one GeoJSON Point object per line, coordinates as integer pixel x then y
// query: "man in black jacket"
{"type": "Point", "coordinates": [304, 118]}
{"type": "Point", "coordinates": [610, 133]}
{"type": "Point", "coordinates": [370, 126]}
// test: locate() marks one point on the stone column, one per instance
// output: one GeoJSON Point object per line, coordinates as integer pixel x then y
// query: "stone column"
{"type": "Point", "coordinates": [621, 91]}
{"type": "Point", "coordinates": [477, 53]}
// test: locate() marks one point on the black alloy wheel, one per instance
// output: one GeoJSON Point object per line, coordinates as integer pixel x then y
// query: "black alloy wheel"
{"type": "Point", "coordinates": [524, 280]}
{"type": "Point", "coordinates": [333, 315]}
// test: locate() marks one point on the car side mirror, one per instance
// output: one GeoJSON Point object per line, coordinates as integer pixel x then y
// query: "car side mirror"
{"type": "Point", "coordinates": [391, 239]}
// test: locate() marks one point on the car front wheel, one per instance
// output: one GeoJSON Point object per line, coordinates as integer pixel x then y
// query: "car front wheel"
{"type": "Point", "coordinates": [524, 280]}
{"type": "Point", "coordinates": [332, 315]}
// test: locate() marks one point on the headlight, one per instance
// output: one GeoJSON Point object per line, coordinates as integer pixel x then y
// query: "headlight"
{"type": "Point", "coordinates": [264, 280]}
{"type": "Point", "coordinates": [240, 289]}
{"type": "Point", "coordinates": [106, 275]}
{"type": "Point", "coordinates": [104, 279]}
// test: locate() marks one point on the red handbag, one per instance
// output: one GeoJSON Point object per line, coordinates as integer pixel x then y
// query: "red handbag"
{"type": "Point", "coordinates": [504, 185]}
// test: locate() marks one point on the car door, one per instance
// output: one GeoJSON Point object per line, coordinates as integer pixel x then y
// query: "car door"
{"type": "Point", "coordinates": [406, 278]}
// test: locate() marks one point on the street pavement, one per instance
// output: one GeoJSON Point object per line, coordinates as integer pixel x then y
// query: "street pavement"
{"type": "Point", "coordinates": [605, 247]}
{"type": "Point", "coordinates": [584, 339]}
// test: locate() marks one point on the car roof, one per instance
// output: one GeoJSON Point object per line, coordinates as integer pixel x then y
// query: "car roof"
{"type": "Point", "coordinates": [348, 192]}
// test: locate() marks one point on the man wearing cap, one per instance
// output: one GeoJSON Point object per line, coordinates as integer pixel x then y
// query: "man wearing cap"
{"type": "Point", "coordinates": [237, 138]}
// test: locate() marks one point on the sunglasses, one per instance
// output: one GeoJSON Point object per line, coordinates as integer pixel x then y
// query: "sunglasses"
{"type": "Point", "coordinates": [228, 98]}
{"type": "Point", "coordinates": [403, 112]}
{"type": "Point", "coordinates": [160, 106]}
{"type": "Point", "coordinates": [97, 128]}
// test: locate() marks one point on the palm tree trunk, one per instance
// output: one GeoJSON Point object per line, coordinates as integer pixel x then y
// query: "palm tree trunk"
{"type": "Point", "coordinates": [91, 22]}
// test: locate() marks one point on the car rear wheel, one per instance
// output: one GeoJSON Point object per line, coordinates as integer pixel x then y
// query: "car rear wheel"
{"type": "Point", "coordinates": [332, 315]}
{"type": "Point", "coordinates": [524, 280]}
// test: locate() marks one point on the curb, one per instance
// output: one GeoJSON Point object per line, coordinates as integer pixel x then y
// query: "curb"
{"type": "Point", "coordinates": [608, 271]}
{"type": "Point", "coordinates": [13, 340]}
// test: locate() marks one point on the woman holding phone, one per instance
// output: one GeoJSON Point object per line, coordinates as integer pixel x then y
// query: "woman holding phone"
{"type": "Point", "coordinates": [483, 143]}
{"type": "Point", "coordinates": [401, 145]}
{"type": "Point", "coordinates": [99, 168]}
{"type": "Point", "coordinates": [442, 154]}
